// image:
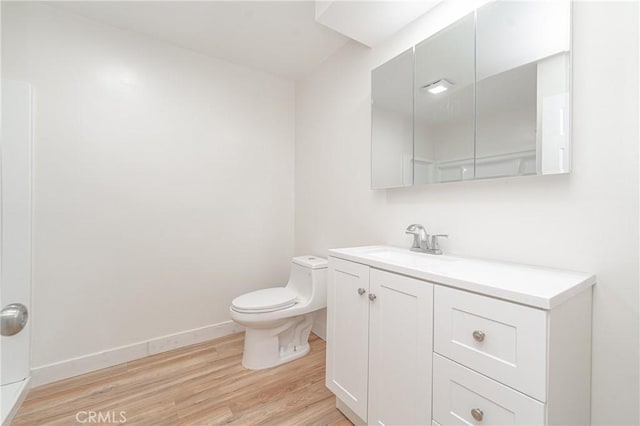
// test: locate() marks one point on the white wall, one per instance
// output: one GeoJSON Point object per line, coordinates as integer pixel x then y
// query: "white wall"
{"type": "Point", "coordinates": [163, 182]}
{"type": "Point", "coordinates": [587, 220]}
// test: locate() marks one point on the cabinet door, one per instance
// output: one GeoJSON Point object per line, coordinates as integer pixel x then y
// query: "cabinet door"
{"type": "Point", "coordinates": [400, 350]}
{"type": "Point", "coordinates": [348, 333]}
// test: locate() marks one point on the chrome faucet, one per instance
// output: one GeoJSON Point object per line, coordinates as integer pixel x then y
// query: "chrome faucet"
{"type": "Point", "coordinates": [420, 237]}
{"type": "Point", "coordinates": [422, 241]}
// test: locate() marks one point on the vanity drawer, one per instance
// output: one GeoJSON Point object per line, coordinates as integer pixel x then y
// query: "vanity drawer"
{"type": "Point", "coordinates": [499, 339]}
{"type": "Point", "coordinates": [463, 397]}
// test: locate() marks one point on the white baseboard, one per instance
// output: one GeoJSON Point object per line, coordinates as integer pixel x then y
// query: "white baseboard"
{"type": "Point", "coordinates": [13, 395]}
{"type": "Point", "coordinates": [349, 413]}
{"type": "Point", "coordinates": [98, 360]}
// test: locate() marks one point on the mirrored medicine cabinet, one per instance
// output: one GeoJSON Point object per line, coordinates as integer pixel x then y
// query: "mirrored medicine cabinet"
{"type": "Point", "coordinates": [486, 97]}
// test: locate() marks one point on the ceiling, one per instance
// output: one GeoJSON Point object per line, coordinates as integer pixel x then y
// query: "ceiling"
{"type": "Point", "coordinates": [280, 37]}
{"type": "Point", "coordinates": [370, 22]}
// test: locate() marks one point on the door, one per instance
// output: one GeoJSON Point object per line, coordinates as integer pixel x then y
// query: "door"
{"type": "Point", "coordinates": [15, 287]}
{"type": "Point", "coordinates": [400, 351]}
{"type": "Point", "coordinates": [348, 333]}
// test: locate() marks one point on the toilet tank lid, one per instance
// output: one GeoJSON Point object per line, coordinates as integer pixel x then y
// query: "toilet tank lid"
{"type": "Point", "coordinates": [311, 262]}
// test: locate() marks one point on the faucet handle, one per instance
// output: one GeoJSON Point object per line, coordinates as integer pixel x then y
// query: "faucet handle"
{"type": "Point", "coordinates": [435, 247]}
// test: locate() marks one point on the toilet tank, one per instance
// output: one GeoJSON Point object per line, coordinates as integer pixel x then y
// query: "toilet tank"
{"type": "Point", "coordinates": [308, 278]}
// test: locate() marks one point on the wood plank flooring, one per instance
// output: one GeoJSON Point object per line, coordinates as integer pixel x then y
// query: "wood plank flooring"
{"type": "Point", "coordinates": [203, 384]}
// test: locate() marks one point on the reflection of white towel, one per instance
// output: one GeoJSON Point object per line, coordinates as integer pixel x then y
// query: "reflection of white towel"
{"type": "Point", "coordinates": [555, 134]}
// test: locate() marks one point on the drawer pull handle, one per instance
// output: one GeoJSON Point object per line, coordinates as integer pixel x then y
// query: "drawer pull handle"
{"type": "Point", "coordinates": [361, 291]}
{"type": "Point", "coordinates": [372, 297]}
{"type": "Point", "coordinates": [477, 414]}
{"type": "Point", "coordinates": [478, 336]}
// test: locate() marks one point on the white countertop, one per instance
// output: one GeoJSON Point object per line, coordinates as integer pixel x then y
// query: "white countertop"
{"type": "Point", "coordinates": [535, 286]}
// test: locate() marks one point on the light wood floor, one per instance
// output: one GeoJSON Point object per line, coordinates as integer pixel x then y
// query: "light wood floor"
{"type": "Point", "coordinates": [203, 384]}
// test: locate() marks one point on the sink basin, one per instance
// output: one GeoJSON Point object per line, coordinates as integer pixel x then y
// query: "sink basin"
{"type": "Point", "coordinates": [406, 257]}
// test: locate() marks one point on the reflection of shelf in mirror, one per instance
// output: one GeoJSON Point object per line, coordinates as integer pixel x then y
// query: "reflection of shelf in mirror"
{"type": "Point", "coordinates": [489, 159]}
{"type": "Point", "coordinates": [422, 160]}
{"type": "Point", "coordinates": [512, 164]}
{"type": "Point", "coordinates": [454, 170]}
{"type": "Point", "coordinates": [500, 165]}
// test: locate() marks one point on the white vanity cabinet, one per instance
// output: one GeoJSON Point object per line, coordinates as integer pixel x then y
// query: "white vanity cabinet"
{"type": "Point", "coordinates": [416, 339]}
{"type": "Point", "coordinates": [379, 343]}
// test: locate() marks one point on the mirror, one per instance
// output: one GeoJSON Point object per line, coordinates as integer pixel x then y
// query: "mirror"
{"type": "Point", "coordinates": [491, 98]}
{"type": "Point", "coordinates": [444, 105]}
{"type": "Point", "coordinates": [392, 122]}
{"type": "Point", "coordinates": [522, 89]}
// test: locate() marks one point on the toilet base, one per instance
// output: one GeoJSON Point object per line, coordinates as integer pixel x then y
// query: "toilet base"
{"type": "Point", "coordinates": [270, 347]}
{"type": "Point", "coordinates": [282, 359]}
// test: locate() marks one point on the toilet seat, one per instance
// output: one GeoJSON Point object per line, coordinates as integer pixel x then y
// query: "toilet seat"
{"type": "Point", "coordinates": [266, 300]}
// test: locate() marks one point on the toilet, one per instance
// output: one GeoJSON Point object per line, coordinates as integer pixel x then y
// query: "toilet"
{"type": "Point", "coordinates": [278, 320]}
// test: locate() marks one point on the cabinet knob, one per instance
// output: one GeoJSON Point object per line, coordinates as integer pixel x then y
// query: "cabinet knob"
{"type": "Point", "coordinates": [478, 336]}
{"type": "Point", "coordinates": [477, 414]}
{"type": "Point", "coordinates": [372, 297]}
{"type": "Point", "coordinates": [361, 291]}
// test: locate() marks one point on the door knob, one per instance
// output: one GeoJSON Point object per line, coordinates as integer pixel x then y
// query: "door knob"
{"type": "Point", "coordinates": [13, 318]}
{"type": "Point", "coordinates": [372, 297]}
{"type": "Point", "coordinates": [361, 291]}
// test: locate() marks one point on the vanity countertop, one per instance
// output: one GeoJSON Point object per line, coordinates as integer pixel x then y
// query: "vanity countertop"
{"type": "Point", "coordinates": [540, 287]}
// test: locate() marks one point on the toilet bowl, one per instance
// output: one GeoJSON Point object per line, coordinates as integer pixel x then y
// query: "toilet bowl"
{"type": "Point", "coordinates": [278, 320]}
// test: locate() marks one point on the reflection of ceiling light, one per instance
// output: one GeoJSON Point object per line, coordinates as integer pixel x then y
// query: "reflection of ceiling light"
{"type": "Point", "coordinates": [437, 89]}
{"type": "Point", "coordinates": [438, 86]}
